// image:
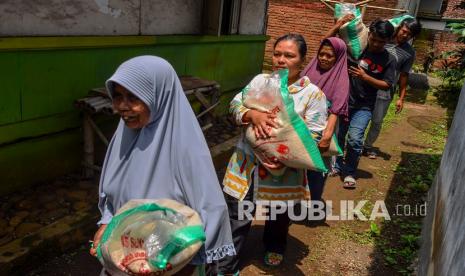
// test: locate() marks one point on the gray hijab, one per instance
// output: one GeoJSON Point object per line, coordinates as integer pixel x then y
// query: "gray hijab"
{"type": "Point", "coordinates": [168, 158]}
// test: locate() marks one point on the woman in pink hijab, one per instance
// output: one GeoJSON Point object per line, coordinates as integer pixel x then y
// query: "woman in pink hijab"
{"type": "Point", "coordinates": [328, 71]}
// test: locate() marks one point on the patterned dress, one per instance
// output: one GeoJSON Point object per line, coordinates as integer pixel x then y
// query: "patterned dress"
{"type": "Point", "coordinates": [243, 168]}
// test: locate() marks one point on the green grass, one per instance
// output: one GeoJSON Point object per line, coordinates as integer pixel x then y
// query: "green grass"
{"type": "Point", "coordinates": [399, 239]}
{"type": "Point", "coordinates": [391, 116]}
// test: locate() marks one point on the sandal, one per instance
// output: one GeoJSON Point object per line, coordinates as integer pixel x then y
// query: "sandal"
{"type": "Point", "coordinates": [273, 259]}
{"type": "Point", "coordinates": [370, 152]}
{"type": "Point", "coordinates": [349, 182]}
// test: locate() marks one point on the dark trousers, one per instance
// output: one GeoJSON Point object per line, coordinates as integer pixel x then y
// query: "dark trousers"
{"type": "Point", "coordinates": [274, 234]}
{"type": "Point", "coordinates": [316, 183]}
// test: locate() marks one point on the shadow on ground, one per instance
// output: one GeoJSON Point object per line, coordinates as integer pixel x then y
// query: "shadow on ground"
{"type": "Point", "coordinates": [397, 243]}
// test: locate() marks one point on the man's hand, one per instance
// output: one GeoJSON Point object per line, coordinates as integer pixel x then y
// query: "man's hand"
{"type": "Point", "coordinates": [343, 20]}
{"type": "Point", "coordinates": [357, 72]}
{"type": "Point", "coordinates": [399, 106]}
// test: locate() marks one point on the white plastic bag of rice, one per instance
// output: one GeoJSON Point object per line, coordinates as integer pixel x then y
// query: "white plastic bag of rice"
{"type": "Point", "coordinates": [148, 237]}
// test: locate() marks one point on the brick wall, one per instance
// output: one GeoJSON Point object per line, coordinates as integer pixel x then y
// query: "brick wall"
{"type": "Point", "coordinates": [424, 44]}
{"type": "Point", "coordinates": [310, 18]}
{"type": "Point", "coordinates": [446, 41]}
{"type": "Point", "coordinates": [452, 12]}
{"type": "Point", "coordinates": [439, 41]}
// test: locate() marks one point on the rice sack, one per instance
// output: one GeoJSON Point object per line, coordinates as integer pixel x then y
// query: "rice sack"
{"type": "Point", "coordinates": [398, 19]}
{"type": "Point", "coordinates": [291, 143]}
{"type": "Point", "coordinates": [148, 237]}
{"type": "Point", "coordinates": [354, 33]}
{"type": "Point", "coordinates": [334, 148]}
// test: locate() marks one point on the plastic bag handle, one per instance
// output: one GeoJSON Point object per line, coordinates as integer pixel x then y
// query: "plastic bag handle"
{"type": "Point", "coordinates": [181, 239]}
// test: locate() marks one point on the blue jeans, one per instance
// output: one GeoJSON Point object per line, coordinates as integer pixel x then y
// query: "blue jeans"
{"type": "Point", "coordinates": [380, 111]}
{"type": "Point", "coordinates": [355, 131]}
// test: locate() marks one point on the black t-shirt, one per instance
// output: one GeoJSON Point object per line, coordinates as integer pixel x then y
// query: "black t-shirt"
{"type": "Point", "coordinates": [381, 66]}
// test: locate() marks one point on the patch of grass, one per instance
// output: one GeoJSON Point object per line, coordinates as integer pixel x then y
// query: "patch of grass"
{"type": "Point", "coordinates": [348, 233]}
{"type": "Point", "coordinates": [436, 136]}
{"type": "Point", "coordinates": [374, 229]}
{"type": "Point", "coordinates": [399, 238]}
{"type": "Point", "coordinates": [382, 174]}
{"type": "Point", "coordinates": [391, 115]}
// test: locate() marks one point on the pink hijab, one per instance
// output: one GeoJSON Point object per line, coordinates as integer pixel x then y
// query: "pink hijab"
{"type": "Point", "coordinates": [334, 82]}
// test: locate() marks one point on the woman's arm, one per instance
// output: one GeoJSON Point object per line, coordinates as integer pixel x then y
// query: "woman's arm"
{"type": "Point", "coordinates": [325, 140]}
{"type": "Point", "coordinates": [238, 110]}
{"type": "Point", "coordinates": [107, 215]}
{"type": "Point", "coordinates": [262, 121]}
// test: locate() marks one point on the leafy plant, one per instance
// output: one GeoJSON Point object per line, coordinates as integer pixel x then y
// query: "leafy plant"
{"type": "Point", "coordinates": [374, 229]}
{"type": "Point", "coordinates": [453, 73]}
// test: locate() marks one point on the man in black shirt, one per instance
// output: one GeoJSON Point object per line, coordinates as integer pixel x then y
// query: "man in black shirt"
{"type": "Point", "coordinates": [373, 71]}
{"type": "Point", "coordinates": [404, 55]}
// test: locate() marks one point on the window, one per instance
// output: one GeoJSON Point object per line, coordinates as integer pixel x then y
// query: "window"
{"type": "Point", "coordinates": [221, 17]}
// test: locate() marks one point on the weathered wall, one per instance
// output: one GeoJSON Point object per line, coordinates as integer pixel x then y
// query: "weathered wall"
{"type": "Point", "coordinates": [171, 17]}
{"type": "Point", "coordinates": [452, 11]}
{"type": "Point", "coordinates": [116, 17]}
{"type": "Point", "coordinates": [52, 52]}
{"type": "Point", "coordinates": [309, 18]}
{"type": "Point", "coordinates": [252, 17]}
{"type": "Point", "coordinates": [41, 77]}
{"type": "Point", "coordinates": [69, 17]}
{"type": "Point", "coordinates": [313, 19]}
{"type": "Point", "coordinates": [443, 240]}
{"type": "Point", "coordinates": [439, 41]}
{"type": "Point", "coordinates": [424, 44]}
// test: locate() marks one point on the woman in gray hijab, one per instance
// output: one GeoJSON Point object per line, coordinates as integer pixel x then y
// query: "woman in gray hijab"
{"type": "Point", "coordinates": [159, 151]}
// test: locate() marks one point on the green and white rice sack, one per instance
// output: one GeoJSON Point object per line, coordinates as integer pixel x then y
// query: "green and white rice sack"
{"type": "Point", "coordinates": [150, 236]}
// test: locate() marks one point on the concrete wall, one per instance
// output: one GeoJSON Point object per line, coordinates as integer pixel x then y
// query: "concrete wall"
{"type": "Point", "coordinates": [443, 240]}
{"type": "Point", "coordinates": [171, 17]}
{"type": "Point", "coordinates": [410, 5]}
{"type": "Point", "coordinates": [252, 17]}
{"type": "Point", "coordinates": [116, 17]}
{"type": "Point", "coordinates": [69, 17]}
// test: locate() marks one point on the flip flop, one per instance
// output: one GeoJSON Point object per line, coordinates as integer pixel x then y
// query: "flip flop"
{"type": "Point", "coordinates": [273, 259]}
{"type": "Point", "coordinates": [349, 182]}
{"type": "Point", "coordinates": [372, 154]}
